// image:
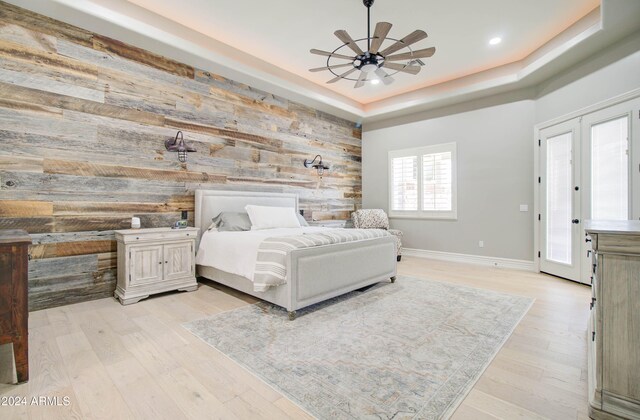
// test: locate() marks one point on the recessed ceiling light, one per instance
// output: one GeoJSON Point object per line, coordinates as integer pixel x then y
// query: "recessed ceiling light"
{"type": "Point", "coordinates": [375, 81]}
{"type": "Point", "coordinates": [495, 41]}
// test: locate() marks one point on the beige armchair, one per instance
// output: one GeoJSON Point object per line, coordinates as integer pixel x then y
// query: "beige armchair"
{"type": "Point", "coordinates": [376, 219]}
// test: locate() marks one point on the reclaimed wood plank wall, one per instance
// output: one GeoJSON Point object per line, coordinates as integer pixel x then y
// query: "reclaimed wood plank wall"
{"type": "Point", "coordinates": [83, 120]}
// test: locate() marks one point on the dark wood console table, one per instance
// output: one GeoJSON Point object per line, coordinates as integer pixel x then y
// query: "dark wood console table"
{"type": "Point", "coordinates": [14, 307]}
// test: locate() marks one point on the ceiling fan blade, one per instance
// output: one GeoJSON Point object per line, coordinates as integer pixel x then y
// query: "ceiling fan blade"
{"type": "Point", "coordinates": [346, 38]}
{"type": "Point", "coordinates": [345, 74]}
{"type": "Point", "coordinates": [328, 54]}
{"type": "Point", "coordinates": [337, 66]}
{"type": "Point", "coordinates": [402, 68]}
{"type": "Point", "coordinates": [380, 33]}
{"type": "Point", "coordinates": [382, 75]}
{"type": "Point", "coordinates": [427, 52]}
{"type": "Point", "coordinates": [412, 38]}
{"type": "Point", "coordinates": [361, 79]}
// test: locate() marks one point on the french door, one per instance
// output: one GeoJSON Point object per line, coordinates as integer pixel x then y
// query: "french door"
{"type": "Point", "coordinates": [586, 173]}
{"type": "Point", "coordinates": [560, 200]}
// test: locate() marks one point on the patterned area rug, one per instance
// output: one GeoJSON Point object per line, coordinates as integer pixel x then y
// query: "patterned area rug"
{"type": "Point", "coordinates": [408, 350]}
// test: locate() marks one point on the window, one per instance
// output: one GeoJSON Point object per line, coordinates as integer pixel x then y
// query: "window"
{"type": "Point", "coordinates": [422, 182]}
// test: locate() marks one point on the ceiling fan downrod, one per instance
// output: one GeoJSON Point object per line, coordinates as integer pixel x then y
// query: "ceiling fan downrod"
{"type": "Point", "coordinates": [368, 4]}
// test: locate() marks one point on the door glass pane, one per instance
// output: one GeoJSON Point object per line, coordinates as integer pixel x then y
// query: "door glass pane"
{"type": "Point", "coordinates": [610, 170]}
{"type": "Point", "coordinates": [559, 204]}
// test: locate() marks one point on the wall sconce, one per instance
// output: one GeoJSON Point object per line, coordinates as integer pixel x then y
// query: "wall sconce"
{"type": "Point", "coordinates": [319, 166]}
{"type": "Point", "coordinates": [179, 146]}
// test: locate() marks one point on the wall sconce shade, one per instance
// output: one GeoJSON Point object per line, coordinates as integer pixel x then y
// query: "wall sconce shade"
{"type": "Point", "coordinates": [319, 166]}
{"type": "Point", "coordinates": [179, 146]}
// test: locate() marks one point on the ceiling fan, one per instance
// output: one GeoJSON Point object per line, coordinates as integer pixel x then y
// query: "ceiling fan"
{"type": "Point", "coordinates": [373, 62]}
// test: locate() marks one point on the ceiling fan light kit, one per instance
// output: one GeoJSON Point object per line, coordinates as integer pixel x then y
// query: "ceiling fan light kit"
{"type": "Point", "coordinates": [372, 63]}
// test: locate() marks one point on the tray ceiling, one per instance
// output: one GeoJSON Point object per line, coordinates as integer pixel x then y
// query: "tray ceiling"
{"type": "Point", "coordinates": [281, 32]}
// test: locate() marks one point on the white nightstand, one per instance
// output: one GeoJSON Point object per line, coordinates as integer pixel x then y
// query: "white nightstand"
{"type": "Point", "coordinates": [154, 261]}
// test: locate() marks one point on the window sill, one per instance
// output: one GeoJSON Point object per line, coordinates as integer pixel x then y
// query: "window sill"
{"type": "Point", "coordinates": [450, 217]}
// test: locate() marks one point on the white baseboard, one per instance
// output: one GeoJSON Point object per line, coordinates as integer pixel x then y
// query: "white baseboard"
{"type": "Point", "coordinates": [470, 259]}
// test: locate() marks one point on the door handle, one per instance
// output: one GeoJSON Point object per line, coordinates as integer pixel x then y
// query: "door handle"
{"type": "Point", "coordinates": [575, 221]}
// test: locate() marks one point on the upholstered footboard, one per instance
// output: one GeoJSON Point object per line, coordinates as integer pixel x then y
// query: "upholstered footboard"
{"type": "Point", "coordinates": [320, 273]}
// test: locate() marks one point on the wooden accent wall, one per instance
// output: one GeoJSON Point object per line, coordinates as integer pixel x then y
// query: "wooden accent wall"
{"type": "Point", "coordinates": [83, 120]}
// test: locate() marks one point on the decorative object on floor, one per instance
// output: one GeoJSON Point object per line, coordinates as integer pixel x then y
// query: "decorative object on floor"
{"type": "Point", "coordinates": [319, 165]}
{"type": "Point", "coordinates": [179, 146]}
{"type": "Point", "coordinates": [413, 349]}
{"type": "Point", "coordinates": [154, 261]}
{"type": "Point", "coordinates": [14, 301]}
{"type": "Point", "coordinates": [372, 63]}
{"type": "Point", "coordinates": [376, 219]}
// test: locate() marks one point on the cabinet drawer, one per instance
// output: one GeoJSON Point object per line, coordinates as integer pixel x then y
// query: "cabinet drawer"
{"type": "Point", "coordinates": [623, 244]}
{"type": "Point", "coordinates": [163, 236]}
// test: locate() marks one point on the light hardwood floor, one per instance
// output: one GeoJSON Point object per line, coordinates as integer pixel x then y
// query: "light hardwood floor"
{"type": "Point", "coordinates": [137, 361]}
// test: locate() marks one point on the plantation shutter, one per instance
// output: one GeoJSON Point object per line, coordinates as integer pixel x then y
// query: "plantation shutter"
{"type": "Point", "coordinates": [437, 182]}
{"type": "Point", "coordinates": [404, 194]}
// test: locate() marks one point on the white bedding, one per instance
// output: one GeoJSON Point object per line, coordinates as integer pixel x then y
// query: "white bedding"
{"type": "Point", "coordinates": [237, 252]}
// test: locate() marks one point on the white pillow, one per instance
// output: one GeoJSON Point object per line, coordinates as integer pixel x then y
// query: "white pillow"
{"type": "Point", "coordinates": [265, 217]}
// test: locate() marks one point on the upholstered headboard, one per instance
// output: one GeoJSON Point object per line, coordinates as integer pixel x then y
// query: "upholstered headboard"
{"type": "Point", "coordinates": [209, 203]}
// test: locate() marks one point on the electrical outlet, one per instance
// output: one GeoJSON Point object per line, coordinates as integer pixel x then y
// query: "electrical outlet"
{"type": "Point", "coordinates": [481, 244]}
{"type": "Point", "coordinates": [524, 207]}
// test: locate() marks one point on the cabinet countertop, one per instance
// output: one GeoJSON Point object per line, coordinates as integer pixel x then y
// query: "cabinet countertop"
{"type": "Point", "coordinates": [14, 236]}
{"type": "Point", "coordinates": [153, 230]}
{"type": "Point", "coordinates": [613, 226]}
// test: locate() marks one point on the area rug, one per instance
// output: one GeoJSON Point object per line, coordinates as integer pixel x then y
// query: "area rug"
{"type": "Point", "coordinates": [408, 350]}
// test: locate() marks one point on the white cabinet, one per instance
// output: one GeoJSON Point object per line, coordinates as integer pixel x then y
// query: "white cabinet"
{"type": "Point", "coordinates": [154, 261]}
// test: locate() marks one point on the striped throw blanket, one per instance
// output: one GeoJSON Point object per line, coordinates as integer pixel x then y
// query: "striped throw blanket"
{"type": "Point", "coordinates": [271, 264]}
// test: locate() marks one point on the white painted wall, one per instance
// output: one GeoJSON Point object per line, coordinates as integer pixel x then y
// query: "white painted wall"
{"type": "Point", "coordinates": [587, 89]}
{"type": "Point", "coordinates": [495, 148]}
{"type": "Point", "coordinates": [495, 166]}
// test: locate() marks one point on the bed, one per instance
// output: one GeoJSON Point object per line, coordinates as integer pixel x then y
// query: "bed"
{"type": "Point", "coordinates": [312, 274]}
